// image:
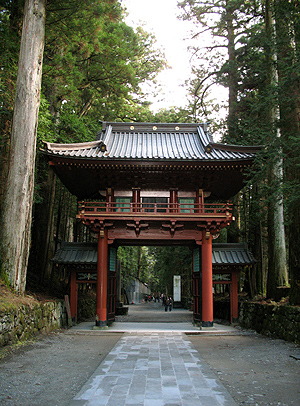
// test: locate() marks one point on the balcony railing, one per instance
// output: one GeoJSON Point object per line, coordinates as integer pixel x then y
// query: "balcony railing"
{"type": "Point", "coordinates": [98, 209]}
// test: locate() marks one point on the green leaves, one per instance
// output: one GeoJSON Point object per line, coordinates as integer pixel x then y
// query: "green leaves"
{"type": "Point", "coordinates": [94, 63]}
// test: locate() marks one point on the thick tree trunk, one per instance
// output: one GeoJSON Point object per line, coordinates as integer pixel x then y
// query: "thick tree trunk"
{"type": "Point", "coordinates": [277, 261]}
{"type": "Point", "coordinates": [17, 207]}
{"type": "Point", "coordinates": [294, 256]}
{"type": "Point", "coordinates": [287, 39]}
{"type": "Point", "coordinates": [42, 248]}
{"type": "Point", "coordinates": [232, 74]}
{"type": "Point", "coordinates": [9, 81]}
{"type": "Point", "coordinates": [279, 233]}
{"type": "Point", "coordinates": [255, 239]}
{"type": "Point", "coordinates": [294, 174]}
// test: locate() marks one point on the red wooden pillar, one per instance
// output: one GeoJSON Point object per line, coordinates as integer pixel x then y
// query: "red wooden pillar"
{"type": "Point", "coordinates": [173, 200]}
{"type": "Point", "coordinates": [199, 201]}
{"type": "Point", "coordinates": [234, 297]}
{"type": "Point", "coordinates": [101, 296]}
{"type": "Point", "coordinates": [197, 287]}
{"type": "Point", "coordinates": [207, 280]}
{"type": "Point", "coordinates": [73, 295]}
{"type": "Point", "coordinates": [110, 199]}
{"type": "Point", "coordinates": [136, 199]}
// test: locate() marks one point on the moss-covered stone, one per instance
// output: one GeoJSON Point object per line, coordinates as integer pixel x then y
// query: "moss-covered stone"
{"type": "Point", "coordinates": [27, 321]}
{"type": "Point", "coordinates": [272, 320]}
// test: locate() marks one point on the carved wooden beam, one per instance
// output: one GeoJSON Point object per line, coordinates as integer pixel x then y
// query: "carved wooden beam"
{"type": "Point", "coordinates": [137, 226]}
{"type": "Point", "coordinates": [172, 226]}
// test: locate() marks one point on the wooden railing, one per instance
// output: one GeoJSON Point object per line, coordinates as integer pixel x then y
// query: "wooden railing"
{"type": "Point", "coordinates": [125, 208]}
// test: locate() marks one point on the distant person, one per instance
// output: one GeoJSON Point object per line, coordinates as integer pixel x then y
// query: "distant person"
{"type": "Point", "coordinates": [168, 303]}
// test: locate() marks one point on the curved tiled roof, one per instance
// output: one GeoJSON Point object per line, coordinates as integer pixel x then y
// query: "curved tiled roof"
{"type": "Point", "coordinates": [232, 254]}
{"type": "Point", "coordinates": [79, 253]}
{"type": "Point", "coordinates": [72, 253]}
{"type": "Point", "coordinates": [144, 141]}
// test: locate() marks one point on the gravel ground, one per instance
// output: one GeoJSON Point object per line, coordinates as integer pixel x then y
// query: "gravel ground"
{"type": "Point", "coordinates": [255, 370]}
{"type": "Point", "coordinates": [50, 371]}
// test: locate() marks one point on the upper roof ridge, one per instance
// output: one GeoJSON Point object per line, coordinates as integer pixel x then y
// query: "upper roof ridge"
{"type": "Point", "coordinates": [153, 127]}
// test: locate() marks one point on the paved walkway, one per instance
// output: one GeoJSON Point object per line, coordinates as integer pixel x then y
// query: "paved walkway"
{"type": "Point", "coordinates": [153, 364]}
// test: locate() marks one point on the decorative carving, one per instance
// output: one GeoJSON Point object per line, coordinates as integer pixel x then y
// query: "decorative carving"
{"type": "Point", "coordinates": [172, 226]}
{"type": "Point", "coordinates": [97, 225]}
{"type": "Point", "coordinates": [137, 226]}
{"type": "Point", "coordinates": [86, 276]}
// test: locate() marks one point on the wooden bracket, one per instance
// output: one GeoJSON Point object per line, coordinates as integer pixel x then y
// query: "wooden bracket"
{"type": "Point", "coordinates": [172, 226]}
{"type": "Point", "coordinates": [137, 226]}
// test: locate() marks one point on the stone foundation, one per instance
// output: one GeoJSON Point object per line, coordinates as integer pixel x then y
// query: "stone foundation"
{"type": "Point", "coordinates": [23, 323]}
{"type": "Point", "coordinates": [272, 320]}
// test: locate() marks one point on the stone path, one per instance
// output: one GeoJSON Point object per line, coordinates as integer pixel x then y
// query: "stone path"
{"type": "Point", "coordinates": [153, 369]}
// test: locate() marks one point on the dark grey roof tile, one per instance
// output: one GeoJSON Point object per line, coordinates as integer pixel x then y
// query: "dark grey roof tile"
{"type": "Point", "coordinates": [86, 254]}
{"type": "Point", "coordinates": [142, 142]}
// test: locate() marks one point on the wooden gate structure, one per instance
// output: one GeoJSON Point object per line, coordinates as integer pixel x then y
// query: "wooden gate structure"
{"type": "Point", "coordinates": [80, 261]}
{"type": "Point", "coordinates": [154, 184]}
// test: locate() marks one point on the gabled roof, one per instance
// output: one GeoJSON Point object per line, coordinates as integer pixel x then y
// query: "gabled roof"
{"type": "Point", "coordinates": [76, 253]}
{"type": "Point", "coordinates": [85, 254]}
{"type": "Point", "coordinates": [153, 141]}
{"type": "Point", "coordinates": [234, 254]}
{"type": "Point", "coordinates": [151, 156]}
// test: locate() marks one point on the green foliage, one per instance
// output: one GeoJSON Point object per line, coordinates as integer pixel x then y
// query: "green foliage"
{"type": "Point", "coordinates": [170, 261]}
{"type": "Point", "coordinates": [94, 64]}
{"type": "Point", "coordinates": [157, 266]}
{"type": "Point", "coordinates": [172, 115]}
{"type": "Point", "coordinates": [135, 262]}
{"type": "Point", "coordinates": [3, 275]}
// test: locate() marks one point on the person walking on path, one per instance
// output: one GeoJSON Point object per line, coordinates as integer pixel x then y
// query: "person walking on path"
{"type": "Point", "coordinates": [168, 304]}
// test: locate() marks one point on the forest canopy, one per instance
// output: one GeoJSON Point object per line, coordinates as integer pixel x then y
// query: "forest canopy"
{"type": "Point", "coordinates": [93, 67]}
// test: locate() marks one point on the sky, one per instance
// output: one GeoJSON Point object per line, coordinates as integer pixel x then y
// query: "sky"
{"type": "Point", "coordinates": [160, 18]}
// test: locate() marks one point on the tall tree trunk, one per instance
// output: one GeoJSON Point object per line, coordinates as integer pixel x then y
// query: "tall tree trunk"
{"type": "Point", "coordinates": [42, 248]}
{"type": "Point", "coordinates": [8, 81]}
{"type": "Point", "coordinates": [18, 198]}
{"type": "Point", "coordinates": [255, 240]}
{"type": "Point", "coordinates": [277, 262]}
{"type": "Point", "coordinates": [288, 42]}
{"type": "Point", "coordinates": [232, 73]}
{"type": "Point", "coordinates": [294, 173]}
{"type": "Point", "coordinates": [288, 34]}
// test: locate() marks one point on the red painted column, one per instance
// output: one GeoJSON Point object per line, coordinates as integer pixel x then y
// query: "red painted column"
{"type": "Point", "coordinates": [199, 201]}
{"type": "Point", "coordinates": [110, 199]}
{"type": "Point", "coordinates": [173, 200]}
{"type": "Point", "coordinates": [234, 298]}
{"type": "Point", "coordinates": [73, 295]}
{"type": "Point", "coordinates": [207, 282]}
{"type": "Point", "coordinates": [136, 199]}
{"type": "Point", "coordinates": [101, 293]}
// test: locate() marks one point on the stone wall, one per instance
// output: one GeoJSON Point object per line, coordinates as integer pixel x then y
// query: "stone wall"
{"type": "Point", "coordinates": [273, 320]}
{"type": "Point", "coordinates": [136, 291]}
{"type": "Point", "coordinates": [25, 322]}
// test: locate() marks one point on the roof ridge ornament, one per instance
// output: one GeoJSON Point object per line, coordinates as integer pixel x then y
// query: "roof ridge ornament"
{"type": "Point", "coordinates": [149, 127]}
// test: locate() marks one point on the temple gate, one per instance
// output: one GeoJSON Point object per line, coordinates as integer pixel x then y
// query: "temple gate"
{"type": "Point", "coordinates": [153, 184]}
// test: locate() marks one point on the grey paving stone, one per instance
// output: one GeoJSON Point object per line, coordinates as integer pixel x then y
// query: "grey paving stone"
{"type": "Point", "coordinates": [153, 402]}
{"type": "Point", "coordinates": [159, 370]}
